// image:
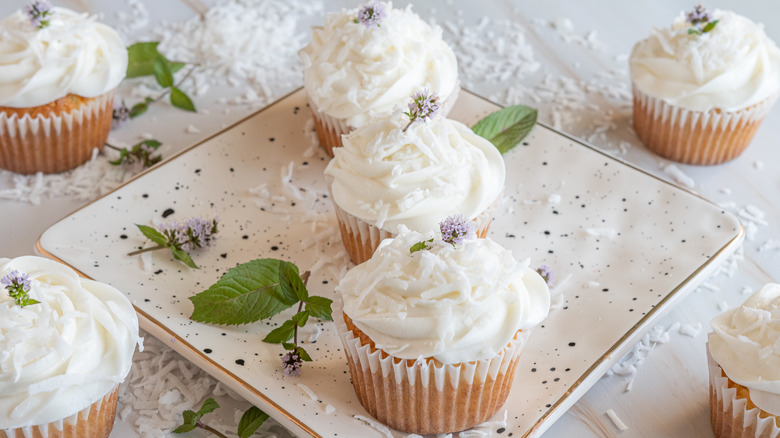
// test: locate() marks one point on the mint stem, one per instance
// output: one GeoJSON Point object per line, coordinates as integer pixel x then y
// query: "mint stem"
{"type": "Point", "coordinates": [211, 429]}
{"type": "Point", "coordinates": [305, 278]}
{"type": "Point", "coordinates": [113, 147]}
{"type": "Point", "coordinates": [151, 248]}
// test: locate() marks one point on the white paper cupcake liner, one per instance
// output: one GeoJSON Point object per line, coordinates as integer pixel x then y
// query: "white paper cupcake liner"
{"type": "Point", "coordinates": [57, 142]}
{"type": "Point", "coordinates": [94, 421]}
{"type": "Point", "coordinates": [425, 396]}
{"type": "Point", "coordinates": [729, 415]}
{"type": "Point", "coordinates": [696, 137]}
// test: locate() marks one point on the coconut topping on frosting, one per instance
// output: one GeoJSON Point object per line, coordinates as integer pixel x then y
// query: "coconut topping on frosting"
{"type": "Point", "coordinates": [358, 72]}
{"type": "Point", "coordinates": [73, 54]}
{"type": "Point", "coordinates": [455, 303]}
{"type": "Point", "coordinates": [746, 344]}
{"type": "Point", "coordinates": [731, 66]}
{"type": "Point", "coordinates": [67, 351]}
{"type": "Point", "coordinates": [388, 177]}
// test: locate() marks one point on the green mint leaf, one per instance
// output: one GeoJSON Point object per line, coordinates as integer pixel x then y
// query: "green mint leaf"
{"type": "Point", "coordinates": [694, 31]}
{"type": "Point", "coordinates": [138, 109]}
{"type": "Point", "coordinates": [288, 345]}
{"type": "Point", "coordinates": [151, 143]}
{"type": "Point", "coordinates": [189, 423]}
{"type": "Point", "coordinates": [208, 406]}
{"type": "Point", "coordinates": [122, 157]}
{"type": "Point", "coordinates": [711, 25]}
{"type": "Point", "coordinates": [182, 256]}
{"type": "Point", "coordinates": [153, 235]}
{"type": "Point", "coordinates": [281, 334]}
{"type": "Point", "coordinates": [303, 354]}
{"type": "Point", "coordinates": [180, 100]}
{"type": "Point", "coordinates": [252, 419]}
{"type": "Point", "coordinates": [300, 318]}
{"type": "Point", "coordinates": [419, 246]}
{"type": "Point", "coordinates": [319, 307]}
{"type": "Point", "coordinates": [507, 127]}
{"type": "Point", "coordinates": [141, 58]}
{"type": "Point", "coordinates": [162, 72]}
{"type": "Point", "coordinates": [30, 301]}
{"type": "Point", "coordinates": [291, 283]}
{"type": "Point", "coordinates": [247, 293]}
{"type": "Point", "coordinates": [184, 428]}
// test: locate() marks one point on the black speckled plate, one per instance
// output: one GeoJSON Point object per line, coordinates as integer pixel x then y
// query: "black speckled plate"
{"type": "Point", "coordinates": [625, 247]}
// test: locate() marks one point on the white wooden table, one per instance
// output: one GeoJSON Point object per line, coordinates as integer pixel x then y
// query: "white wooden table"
{"type": "Point", "coordinates": [668, 395]}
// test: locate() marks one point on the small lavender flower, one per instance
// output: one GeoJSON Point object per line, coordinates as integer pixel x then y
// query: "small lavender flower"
{"type": "Point", "coordinates": [121, 115]}
{"type": "Point", "coordinates": [547, 273]}
{"type": "Point", "coordinates": [699, 15]}
{"type": "Point", "coordinates": [424, 105]}
{"type": "Point", "coordinates": [456, 229]}
{"type": "Point", "coordinates": [292, 362]}
{"type": "Point", "coordinates": [371, 15]}
{"type": "Point", "coordinates": [18, 285]}
{"type": "Point", "coordinates": [38, 10]}
{"type": "Point", "coordinates": [181, 237]}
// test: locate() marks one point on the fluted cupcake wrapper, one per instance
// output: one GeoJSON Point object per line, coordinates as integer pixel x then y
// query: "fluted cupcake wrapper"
{"type": "Point", "coordinates": [696, 137]}
{"type": "Point", "coordinates": [330, 129]}
{"type": "Point", "coordinates": [55, 143]}
{"type": "Point", "coordinates": [730, 415]}
{"type": "Point", "coordinates": [94, 421]}
{"type": "Point", "coordinates": [425, 396]}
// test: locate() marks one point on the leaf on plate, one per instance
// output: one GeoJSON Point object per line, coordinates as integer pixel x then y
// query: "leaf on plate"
{"type": "Point", "coordinates": [507, 127]}
{"type": "Point", "coordinates": [252, 419]}
{"type": "Point", "coordinates": [281, 334]}
{"type": "Point", "coordinates": [153, 235]}
{"type": "Point", "coordinates": [180, 100]}
{"type": "Point", "coordinates": [291, 283]}
{"type": "Point", "coordinates": [141, 58]}
{"type": "Point", "coordinates": [303, 355]}
{"type": "Point", "coordinates": [300, 318]}
{"type": "Point", "coordinates": [319, 307]}
{"type": "Point", "coordinates": [182, 256]}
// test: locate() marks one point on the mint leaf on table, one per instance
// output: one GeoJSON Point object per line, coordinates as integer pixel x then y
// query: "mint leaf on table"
{"type": "Point", "coordinates": [281, 334]}
{"type": "Point", "coordinates": [252, 419]}
{"type": "Point", "coordinates": [291, 282]}
{"type": "Point", "coordinates": [180, 100]}
{"type": "Point", "coordinates": [141, 58]}
{"type": "Point", "coordinates": [319, 307]}
{"type": "Point", "coordinates": [507, 127]}
{"type": "Point", "coordinates": [152, 234]}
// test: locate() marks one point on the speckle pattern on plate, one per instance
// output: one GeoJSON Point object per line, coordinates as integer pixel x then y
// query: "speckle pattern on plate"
{"type": "Point", "coordinates": [625, 246]}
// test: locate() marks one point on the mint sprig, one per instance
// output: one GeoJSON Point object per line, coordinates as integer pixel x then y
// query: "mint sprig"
{"type": "Point", "coordinates": [507, 127]}
{"type": "Point", "coordinates": [419, 246]}
{"type": "Point", "coordinates": [181, 237]}
{"type": "Point", "coordinates": [142, 152]}
{"type": "Point", "coordinates": [250, 421]}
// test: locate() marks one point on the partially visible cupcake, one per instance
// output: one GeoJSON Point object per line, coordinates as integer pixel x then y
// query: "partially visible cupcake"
{"type": "Point", "coordinates": [66, 343]}
{"type": "Point", "coordinates": [703, 86]}
{"type": "Point", "coordinates": [58, 72]}
{"type": "Point", "coordinates": [364, 63]}
{"type": "Point", "coordinates": [433, 327]}
{"type": "Point", "coordinates": [744, 366]}
{"type": "Point", "coordinates": [413, 173]}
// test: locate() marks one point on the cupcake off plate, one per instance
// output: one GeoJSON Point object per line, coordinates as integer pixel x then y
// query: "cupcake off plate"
{"type": "Point", "coordinates": [624, 245]}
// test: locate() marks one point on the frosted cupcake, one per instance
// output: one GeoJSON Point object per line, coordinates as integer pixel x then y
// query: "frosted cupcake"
{"type": "Point", "coordinates": [744, 365]}
{"type": "Point", "coordinates": [364, 63]}
{"type": "Point", "coordinates": [703, 86]}
{"type": "Point", "coordinates": [433, 328]}
{"type": "Point", "coordinates": [58, 72]}
{"type": "Point", "coordinates": [66, 344]}
{"type": "Point", "coordinates": [412, 173]}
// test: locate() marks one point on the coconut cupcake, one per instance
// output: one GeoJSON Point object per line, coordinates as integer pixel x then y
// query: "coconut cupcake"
{"type": "Point", "coordinates": [433, 328]}
{"type": "Point", "coordinates": [364, 63]}
{"type": "Point", "coordinates": [66, 344]}
{"type": "Point", "coordinates": [744, 366]}
{"type": "Point", "coordinates": [703, 86]}
{"type": "Point", "coordinates": [412, 170]}
{"type": "Point", "coordinates": [58, 72]}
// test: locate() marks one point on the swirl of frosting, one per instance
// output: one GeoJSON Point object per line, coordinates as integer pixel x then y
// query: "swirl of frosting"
{"type": "Point", "coordinates": [60, 356]}
{"type": "Point", "coordinates": [437, 168]}
{"type": "Point", "coordinates": [357, 73]}
{"type": "Point", "coordinates": [746, 343]}
{"type": "Point", "coordinates": [73, 55]}
{"type": "Point", "coordinates": [455, 304]}
{"type": "Point", "coordinates": [731, 67]}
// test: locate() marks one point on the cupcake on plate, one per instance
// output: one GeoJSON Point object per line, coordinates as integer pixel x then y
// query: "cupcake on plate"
{"type": "Point", "coordinates": [412, 170]}
{"type": "Point", "coordinates": [58, 72]}
{"type": "Point", "coordinates": [66, 343]}
{"type": "Point", "coordinates": [433, 328]}
{"type": "Point", "coordinates": [743, 354]}
{"type": "Point", "coordinates": [703, 86]}
{"type": "Point", "coordinates": [364, 63]}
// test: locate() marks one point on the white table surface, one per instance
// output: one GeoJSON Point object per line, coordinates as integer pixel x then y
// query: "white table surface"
{"type": "Point", "coordinates": [668, 395]}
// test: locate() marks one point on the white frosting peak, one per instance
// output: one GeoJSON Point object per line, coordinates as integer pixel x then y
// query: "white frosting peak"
{"type": "Point", "coordinates": [731, 67]}
{"type": "Point", "coordinates": [357, 73]}
{"type": "Point", "coordinates": [73, 55]}
{"type": "Point", "coordinates": [67, 352]}
{"type": "Point", "coordinates": [456, 304]}
{"type": "Point", "coordinates": [437, 168]}
{"type": "Point", "coordinates": [746, 344]}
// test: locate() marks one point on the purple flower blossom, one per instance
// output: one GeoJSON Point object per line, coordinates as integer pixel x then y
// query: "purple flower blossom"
{"type": "Point", "coordinates": [456, 229]}
{"type": "Point", "coordinates": [699, 15]}
{"type": "Point", "coordinates": [18, 285]}
{"type": "Point", "coordinates": [38, 10]}
{"type": "Point", "coordinates": [121, 115]}
{"type": "Point", "coordinates": [371, 14]}
{"type": "Point", "coordinates": [292, 362]}
{"type": "Point", "coordinates": [424, 105]}
{"type": "Point", "coordinates": [547, 273]}
{"type": "Point", "coordinates": [193, 233]}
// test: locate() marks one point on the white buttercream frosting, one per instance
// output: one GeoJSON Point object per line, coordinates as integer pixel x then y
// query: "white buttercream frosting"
{"type": "Point", "coordinates": [357, 73]}
{"type": "Point", "coordinates": [731, 67]}
{"type": "Point", "coordinates": [73, 55]}
{"type": "Point", "coordinates": [387, 177]}
{"type": "Point", "coordinates": [60, 356]}
{"type": "Point", "coordinates": [746, 344]}
{"type": "Point", "coordinates": [455, 304]}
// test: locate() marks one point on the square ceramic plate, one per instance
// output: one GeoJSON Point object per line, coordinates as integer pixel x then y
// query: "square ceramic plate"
{"type": "Point", "coordinates": [624, 245]}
